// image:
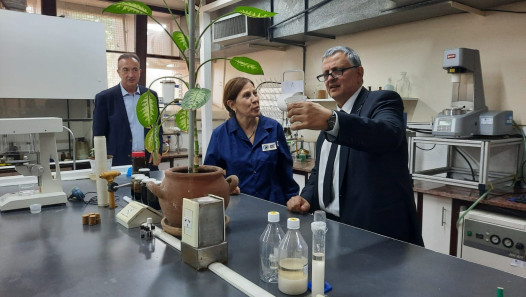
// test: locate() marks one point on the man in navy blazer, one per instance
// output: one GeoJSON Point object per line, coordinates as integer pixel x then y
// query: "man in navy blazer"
{"type": "Point", "coordinates": [368, 184]}
{"type": "Point", "coordinates": [115, 114]}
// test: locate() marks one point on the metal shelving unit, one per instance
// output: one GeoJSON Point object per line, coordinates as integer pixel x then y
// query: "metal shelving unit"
{"type": "Point", "coordinates": [451, 175]}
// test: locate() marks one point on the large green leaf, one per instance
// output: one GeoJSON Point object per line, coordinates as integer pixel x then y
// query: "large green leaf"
{"type": "Point", "coordinates": [147, 111]}
{"type": "Point", "coordinates": [129, 7]}
{"type": "Point", "coordinates": [254, 12]}
{"type": "Point", "coordinates": [182, 120]}
{"type": "Point", "coordinates": [180, 40]}
{"type": "Point", "coordinates": [246, 65]}
{"type": "Point", "coordinates": [195, 98]}
{"type": "Point", "coordinates": [152, 142]}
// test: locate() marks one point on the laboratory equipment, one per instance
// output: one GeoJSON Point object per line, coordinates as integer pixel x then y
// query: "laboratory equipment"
{"type": "Point", "coordinates": [168, 91]}
{"type": "Point", "coordinates": [493, 240]}
{"type": "Point", "coordinates": [203, 235]}
{"type": "Point", "coordinates": [35, 208]}
{"type": "Point", "coordinates": [110, 176]}
{"type": "Point", "coordinates": [468, 114]}
{"type": "Point", "coordinates": [135, 213]}
{"type": "Point", "coordinates": [146, 229]}
{"type": "Point", "coordinates": [36, 138]}
{"type": "Point", "coordinates": [293, 270]}
{"type": "Point", "coordinates": [269, 248]}
{"type": "Point", "coordinates": [319, 228]}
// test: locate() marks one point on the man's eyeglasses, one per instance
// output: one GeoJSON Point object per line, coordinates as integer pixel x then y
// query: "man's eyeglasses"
{"type": "Point", "coordinates": [334, 74]}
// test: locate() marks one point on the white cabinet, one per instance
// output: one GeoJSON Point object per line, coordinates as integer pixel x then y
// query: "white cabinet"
{"type": "Point", "coordinates": [436, 223]}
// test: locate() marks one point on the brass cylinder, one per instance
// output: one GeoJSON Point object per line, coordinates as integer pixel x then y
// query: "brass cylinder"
{"type": "Point", "coordinates": [92, 220]}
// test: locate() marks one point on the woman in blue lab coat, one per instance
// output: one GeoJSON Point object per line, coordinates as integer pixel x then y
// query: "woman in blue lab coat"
{"type": "Point", "coordinates": [252, 146]}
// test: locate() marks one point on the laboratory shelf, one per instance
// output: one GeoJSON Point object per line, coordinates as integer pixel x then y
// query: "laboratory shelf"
{"type": "Point", "coordinates": [451, 174]}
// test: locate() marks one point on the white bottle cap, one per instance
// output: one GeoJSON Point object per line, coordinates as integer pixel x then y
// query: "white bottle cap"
{"type": "Point", "coordinates": [293, 223]}
{"type": "Point", "coordinates": [140, 176]}
{"type": "Point", "coordinates": [273, 216]}
{"type": "Point", "coordinates": [149, 221]}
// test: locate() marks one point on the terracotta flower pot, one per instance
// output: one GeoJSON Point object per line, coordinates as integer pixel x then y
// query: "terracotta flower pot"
{"type": "Point", "coordinates": [178, 184]}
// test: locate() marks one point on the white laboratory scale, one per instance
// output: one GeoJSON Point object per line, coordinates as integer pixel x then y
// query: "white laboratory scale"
{"type": "Point", "coordinates": [468, 115]}
{"type": "Point", "coordinates": [34, 138]}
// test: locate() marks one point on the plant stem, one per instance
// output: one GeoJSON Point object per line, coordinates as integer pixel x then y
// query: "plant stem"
{"type": "Point", "coordinates": [191, 79]}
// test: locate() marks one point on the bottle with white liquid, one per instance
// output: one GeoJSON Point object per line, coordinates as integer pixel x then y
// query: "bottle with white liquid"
{"type": "Point", "coordinates": [293, 261]}
{"type": "Point", "coordinates": [319, 228]}
{"type": "Point", "coordinates": [269, 249]}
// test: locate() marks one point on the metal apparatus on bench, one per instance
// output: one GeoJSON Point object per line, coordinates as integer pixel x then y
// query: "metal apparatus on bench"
{"type": "Point", "coordinates": [33, 138]}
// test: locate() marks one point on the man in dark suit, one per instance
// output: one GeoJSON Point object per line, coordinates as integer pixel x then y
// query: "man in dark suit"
{"type": "Point", "coordinates": [115, 114]}
{"type": "Point", "coordinates": [364, 179]}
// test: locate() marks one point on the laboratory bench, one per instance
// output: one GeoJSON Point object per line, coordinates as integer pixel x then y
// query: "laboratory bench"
{"type": "Point", "coordinates": [53, 254]}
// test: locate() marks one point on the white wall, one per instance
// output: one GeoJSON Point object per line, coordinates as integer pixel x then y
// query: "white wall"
{"type": "Point", "coordinates": [417, 48]}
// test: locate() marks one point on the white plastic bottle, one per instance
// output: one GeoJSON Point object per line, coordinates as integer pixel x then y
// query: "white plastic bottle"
{"type": "Point", "coordinates": [293, 261]}
{"type": "Point", "coordinates": [269, 249]}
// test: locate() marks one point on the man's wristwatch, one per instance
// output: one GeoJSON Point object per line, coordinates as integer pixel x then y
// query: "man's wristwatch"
{"type": "Point", "coordinates": [331, 121]}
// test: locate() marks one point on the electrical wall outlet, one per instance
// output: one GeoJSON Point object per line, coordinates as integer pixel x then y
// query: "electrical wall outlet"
{"type": "Point", "coordinates": [190, 222]}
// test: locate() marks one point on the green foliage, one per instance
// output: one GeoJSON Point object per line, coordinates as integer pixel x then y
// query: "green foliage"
{"type": "Point", "coordinates": [246, 65]}
{"type": "Point", "coordinates": [195, 98]}
{"type": "Point", "coordinates": [182, 120]}
{"type": "Point", "coordinates": [129, 7]}
{"type": "Point", "coordinates": [181, 41]}
{"type": "Point", "coordinates": [147, 111]}
{"type": "Point", "coordinates": [147, 108]}
{"type": "Point", "coordinates": [152, 143]}
{"type": "Point", "coordinates": [253, 12]}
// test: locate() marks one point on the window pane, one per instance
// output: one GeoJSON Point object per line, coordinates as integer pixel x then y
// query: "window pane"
{"type": "Point", "coordinates": [34, 6]}
{"type": "Point", "coordinates": [120, 29]}
{"type": "Point", "coordinates": [159, 42]}
{"type": "Point", "coordinates": [111, 66]}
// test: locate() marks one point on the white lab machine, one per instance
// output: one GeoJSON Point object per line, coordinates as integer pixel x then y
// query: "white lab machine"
{"type": "Point", "coordinates": [493, 240]}
{"type": "Point", "coordinates": [30, 144]}
{"type": "Point", "coordinates": [468, 114]}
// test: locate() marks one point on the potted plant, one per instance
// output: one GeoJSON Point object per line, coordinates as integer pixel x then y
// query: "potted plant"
{"type": "Point", "coordinates": [192, 181]}
{"type": "Point", "coordinates": [147, 110]}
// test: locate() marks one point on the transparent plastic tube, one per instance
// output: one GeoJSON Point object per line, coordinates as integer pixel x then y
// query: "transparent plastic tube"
{"type": "Point", "coordinates": [319, 228]}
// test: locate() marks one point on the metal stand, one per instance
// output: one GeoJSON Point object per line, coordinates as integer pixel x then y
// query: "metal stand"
{"type": "Point", "coordinates": [451, 175]}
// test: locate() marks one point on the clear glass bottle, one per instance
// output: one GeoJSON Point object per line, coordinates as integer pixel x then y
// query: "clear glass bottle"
{"type": "Point", "coordinates": [389, 86]}
{"type": "Point", "coordinates": [293, 261]}
{"type": "Point", "coordinates": [403, 86]}
{"type": "Point", "coordinates": [269, 248]}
